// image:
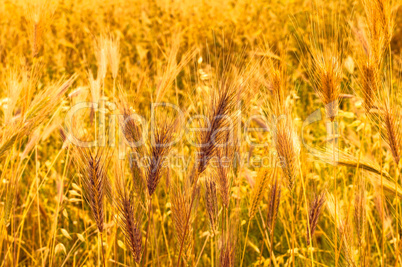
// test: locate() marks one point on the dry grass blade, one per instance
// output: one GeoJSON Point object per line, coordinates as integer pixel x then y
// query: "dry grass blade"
{"type": "Point", "coordinates": [344, 159]}
{"type": "Point", "coordinates": [350, 161]}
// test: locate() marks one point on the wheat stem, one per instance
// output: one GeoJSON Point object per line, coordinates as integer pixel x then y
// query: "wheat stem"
{"type": "Point", "coordinates": [397, 223]}
{"type": "Point", "coordinates": [202, 250]}
{"type": "Point", "coordinates": [148, 229]}
{"type": "Point", "coordinates": [271, 249]}
{"type": "Point", "coordinates": [114, 87]}
{"type": "Point", "coordinates": [212, 252]}
{"type": "Point", "coordinates": [37, 199]}
{"type": "Point", "coordinates": [100, 250]}
{"type": "Point", "coordinates": [185, 232]}
{"type": "Point", "coordinates": [335, 191]}
{"type": "Point", "coordinates": [293, 229]}
{"type": "Point", "coordinates": [308, 219]}
{"type": "Point", "coordinates": [245, 242]}
{"type": "Point", "coordinates": [382, 203]}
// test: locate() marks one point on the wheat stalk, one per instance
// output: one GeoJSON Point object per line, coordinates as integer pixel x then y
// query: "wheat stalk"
{"type": "Point", "coordinates": [360, 210]}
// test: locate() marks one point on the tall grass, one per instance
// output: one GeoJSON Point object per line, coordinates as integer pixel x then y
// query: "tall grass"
{"type": "Point", "coordinates": [205, 133]}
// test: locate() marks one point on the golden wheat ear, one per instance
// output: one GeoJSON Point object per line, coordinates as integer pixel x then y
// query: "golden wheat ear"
{"type": "Point", "coordinates": [328, 77]}
{"type": "Point", "coordinates": [181, 216]}
{"type": "Point", "coordinates": [288, 150]}
{"type": "Point", "coordinates": [132, 132]}
{"type": "Point", "coordinates": [274, 200]}
{"type": "Point", "coordinates": [113, 55]}
{"type": "Point", "coordinates": [211, 202]}
{"type": "Point", "coordinates": [276, 81]}
{"type": "Point", "coordinates": [39, 15]}
{"type": "Point", "coordinates": [225, 157]}
{"type": "Point", "coordinates": [129, 217]}
{"type": "Point", "coordinates": [325, 57]}
{"type": "Point", "coordinates": [388, 118]}
{"type": "Point", "coordinates": [130, 127]}
{"type": "Point", "coordinates": [314, 212]}
{"type": "Point", "coordinates": [93, 165]}
{"type": "Point", "coordinates": [160, 147]}
{"type": "Point", "coordinates": [370, 82]}
{"type": "Point", "coordinates": [380, 20]}
{"type": "Point", "coordinates": [219, 117]}
{"type": "Point", "coordinates": [261, 184]}
{"type": "Point", "coordinates": [392, 123]}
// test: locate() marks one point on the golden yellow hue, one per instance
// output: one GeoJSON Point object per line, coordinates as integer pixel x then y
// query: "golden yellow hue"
{"type": "Point", "coordinates": [279, 142]}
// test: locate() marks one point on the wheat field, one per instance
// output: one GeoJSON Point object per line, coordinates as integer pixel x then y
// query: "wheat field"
{"type": "Point", "coordinates": [200, 133]}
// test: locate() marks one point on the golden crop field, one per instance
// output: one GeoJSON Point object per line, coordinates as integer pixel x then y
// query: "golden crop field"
{"type": "Point", "coordinates": [200, 133]}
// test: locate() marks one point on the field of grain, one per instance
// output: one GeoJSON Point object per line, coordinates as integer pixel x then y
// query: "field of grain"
{"type": "Point", "coordinates": [200, 133]}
